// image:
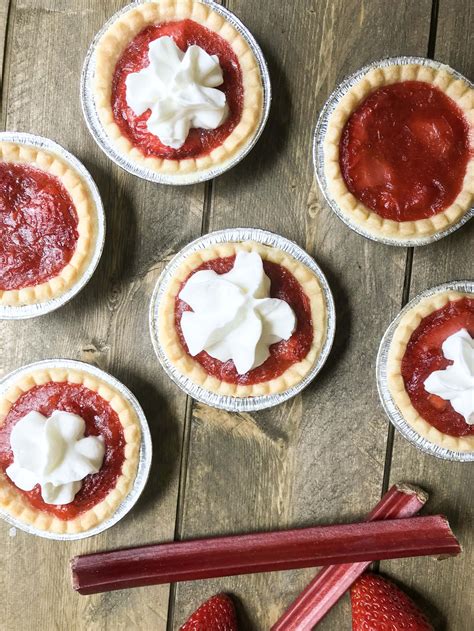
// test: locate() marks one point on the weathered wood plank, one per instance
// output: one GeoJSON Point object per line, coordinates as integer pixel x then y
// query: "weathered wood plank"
{"type": "Point", "coordinates": [446, 587]}
{"type": "Point", "coordinates": [320, 457]}
{"type": "Point", "coordinates": [106, 325]}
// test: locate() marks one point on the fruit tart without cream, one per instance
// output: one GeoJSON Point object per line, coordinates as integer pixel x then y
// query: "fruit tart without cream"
{"type": "Point", "coordinates": [399, 151]}
{"type": "Point", "coordinates": [48, 225]}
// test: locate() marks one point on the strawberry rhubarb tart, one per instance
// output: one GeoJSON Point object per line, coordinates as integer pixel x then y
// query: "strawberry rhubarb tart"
{"type": "Point", "coordinates": [431, 369]}
{"type": "Point", "coordinates": [49, 230]}
{"type": "Point", "coordinates": [399, 150]}
{"type": "Point", "coordinates": [69, 450]}
{"type": "Point", "coordinates": [242, 319]}
{"type": "Point", "coordinates": [177, 87]}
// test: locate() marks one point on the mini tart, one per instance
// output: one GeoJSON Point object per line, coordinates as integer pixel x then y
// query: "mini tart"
{"type": "Point", "coordinates": [408, 324]}
{"type": "Point", "coordinates": [190, 368]}
{"type": "Point", "coordinates": [49, 163]}
{"type": "Point", "coordinates": [15, 503]}
{"type": "Point", "coordinates": [357, 212]}
{"type": "Point", "coordinates": [116, 39]}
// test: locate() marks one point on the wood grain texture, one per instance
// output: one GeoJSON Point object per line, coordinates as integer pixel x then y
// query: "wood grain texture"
{"type": "Point", "coordinates": [107, 324]}
{"type": "Point", "coordinates": [320, 457]}
{"type": "Point", "coordinates": [4, 7]}
{"type": "Point", "coordinates": [447, 586]}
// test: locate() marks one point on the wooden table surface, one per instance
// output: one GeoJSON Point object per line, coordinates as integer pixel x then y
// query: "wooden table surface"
{"type": "Point", "coordinates": [324, 456]}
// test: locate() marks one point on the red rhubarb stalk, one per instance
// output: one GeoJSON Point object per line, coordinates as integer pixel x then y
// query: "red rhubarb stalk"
{"type": "Point", "coordinates": [329, 585]}
{"type": "Point", "coordinates": [263, 552]}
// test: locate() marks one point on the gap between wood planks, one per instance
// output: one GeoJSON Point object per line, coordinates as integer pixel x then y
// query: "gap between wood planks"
{"type": "Point", "coordinates": [5, 66]}
{"type": "Point", "coordinates": [408, 262]}
{"type": "Point", "coordinates": [185, 446]}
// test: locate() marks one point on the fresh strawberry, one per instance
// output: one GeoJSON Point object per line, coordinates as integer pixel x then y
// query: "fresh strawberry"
{"type": "Point", "coordinates": [216, 614]}
{"type": "Point", "coordinates": [379, 605]}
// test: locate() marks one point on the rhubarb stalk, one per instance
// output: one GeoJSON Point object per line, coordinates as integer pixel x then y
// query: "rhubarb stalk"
{"type": "Point", "coordinates": [263, 552]}
{"type": "Point", "coordinates": [329, 585]}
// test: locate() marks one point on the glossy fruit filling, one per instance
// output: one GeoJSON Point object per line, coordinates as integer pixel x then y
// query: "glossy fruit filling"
{"type": "Point", "coordinates": [38, 226]}
{"type": "Point", "coordinates": [424, 355]}
{"type": "Point", "coordinates": [282, 354]}
{"type": "Point", "coordinates": [135, 57]}
{"type": "Point", "coordinates": [404, 151]}
{"type": "Point", "coordinates": [100, 420]}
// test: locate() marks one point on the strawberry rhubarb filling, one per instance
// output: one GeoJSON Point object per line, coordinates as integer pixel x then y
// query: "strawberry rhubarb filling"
{"type": "Point", "coordinates": [169, 100]}
{"type": "Point", "coordinates": [38, 226]}
{"type": "Point", "coordinates": [283, 319]}
{"type": "Point", "coordinates": [404, 151]}
{"type": "Point", "coordinates": [426, 361]}
{"type": "Point", "coordinates": [100, 420]}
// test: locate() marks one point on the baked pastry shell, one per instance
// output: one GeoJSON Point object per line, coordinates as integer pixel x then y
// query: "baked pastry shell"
{"type": "Point", "coordinates": [360, 219]}
{"type": "Point", "coordinates": [144, 454]}
{"type": "Point", "coordinates": [229, 236]}
{"type": "Point", "coordinates": [18, 311]}
{"type": "Point", "coordinates": [137, 167]}
{"type": "Point", "coordinates": [420, 439]}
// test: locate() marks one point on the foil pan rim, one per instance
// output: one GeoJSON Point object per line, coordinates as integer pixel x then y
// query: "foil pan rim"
{"type": "Point", "coordinates": [319, 158]}
{"type": "Point", "coordinates": [390, 407]}
{"type": "Point", "coordinates": [144, 463]}
{"type": "Point", "coordinates": [98, 133]}
{"type": "Point", "coordinates": [12, 312]}
{"type": "Point", "coordinates": [230, 403]}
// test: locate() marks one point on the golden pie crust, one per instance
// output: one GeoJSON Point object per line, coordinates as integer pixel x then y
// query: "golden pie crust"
{"type": "Point", "coordinates": [86, 227]}
{"type": "Point", "coordinates": [188, 367]}
{"type": "Point", "coordinates": [15, 503]}
{"type": "Point", "coordinates": [458, 90]}
{"type": "Point", "coordinates": [121, 33]}
{"type": "Point", "coordinates": [408, 324]}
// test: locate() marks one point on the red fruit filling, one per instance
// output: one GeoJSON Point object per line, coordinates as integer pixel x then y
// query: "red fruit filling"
{"type": "Point", "coordinates": [100, 420]}
{"type": "Point", "coordinates": [135, 57]}
{"type": "Point", "coordinates": [405, 150]}
{"type": "Point", "coordinates": [38, 226]}
{"type": "Point", "coordinates": [282, 354]}
{"type": "Point", "coordinates": [424, 355]}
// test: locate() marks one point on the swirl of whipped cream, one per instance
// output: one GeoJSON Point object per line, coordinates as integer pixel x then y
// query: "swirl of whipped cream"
{"type": "Point", "coordinates": [53, 453]}
{"type": "Point", "coordinates": [179, 89]}
{"type": "Point", "coordinates": [456, 382]}
{"type": "Point", "coordinates": [233, 316]}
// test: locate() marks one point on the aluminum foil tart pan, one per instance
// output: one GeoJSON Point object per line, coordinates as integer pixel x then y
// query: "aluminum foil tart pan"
{"type": "Point", "coordinates": [386, 399]}
{"type": "Point", "coordinates": [145, 448]}
{"type": "Point", "coordinates": [10, 312]}
{"type": "Point", "coordinates": [240, 404]}
{"type": "Point", "coordinates": [320, 137]}
{"type": "Point", "coordinates": [108, 147]}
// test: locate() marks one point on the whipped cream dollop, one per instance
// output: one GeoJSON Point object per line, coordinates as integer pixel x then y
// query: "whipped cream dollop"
{"type": "Point", "coordinates": [179, 89]}
{"type": "Point", "coordinates": [456, 382]}
{"type": "Point", "coordinates": [233, 316]}
{"type": "Point", "coordinates": [53, 453]}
